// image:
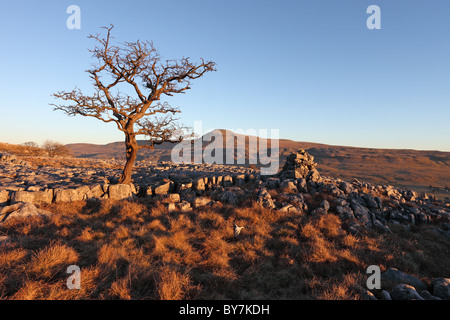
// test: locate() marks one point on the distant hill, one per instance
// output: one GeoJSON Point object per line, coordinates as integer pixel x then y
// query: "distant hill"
{"type": "Point", "coordinates": [406, 168]}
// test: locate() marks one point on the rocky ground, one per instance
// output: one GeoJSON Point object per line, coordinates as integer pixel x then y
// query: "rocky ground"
{"type": "Point", "coordinates": [183, 187]}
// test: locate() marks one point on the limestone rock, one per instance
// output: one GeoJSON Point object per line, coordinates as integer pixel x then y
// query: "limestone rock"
{"type": "Point", "coordinates": [20, 210]}
{"type": "Point", "coordinates": [22, 196]}
{"type": "Point", "coordinates": [313, 175]}
{"type": "Point", "coordinates": [345, 212]}
{"type": "Point", "coordinates": [325, 205]}
{"type": "Point", "coordinates": [405, 292]}
{"type": "Point", "coordinates": [240, 179]}
{"type": "Point", "coordinates": [229, 197]}
{"type": "Point", "coordinates": [346, 187]}
{"type": "Point", "coordinates": [273, 183]}
{"type": "Point", "coordinates": [384, 295]}
{"type": "Point", "coordinates": [288, 186]}
{"type": "Point", "coordinates": [361, 213]}
{"type": "Point", "coordinates": [120, 192]}
{"type": "Point", "coordinates": [200, 184]}
{"type": "Point", "coordinates": [289, 208]}
{"type": "Point", "coordinates": [380, 227]}
{"type": "Point", "coordinates": [71, 195]}
{"type": "Point", "coordinates": [370, 201]}
{"type": "Point", "coordinates": [170, 198]}
{"type": "Point", "coordinates": [300, 165]}
{"type": "Point", "coordinates": [184, 206]}
{"type": "Point", "coordinates": [396, 276]}
{"type": "Point", "coordinates": [302, 185]}
{"type": "Point", "coordinates": [264, 199]}
{"type": "Point", "coordinates": [428, 296]}
{"type": "Point", "coordinates": [4, 197]}
{"type": "Point", "coordinates": [97, 191]}
{"type": "Point", "coordinates": [164, 188]}
{"type": "Point", "coordinates": [227, 181]}
{"type": "Point", "coordinates": [441, 288]}
{"type": "Point", "coordinates": [201, 201]}
{"type": "Point", "coordinates": [367, 295]}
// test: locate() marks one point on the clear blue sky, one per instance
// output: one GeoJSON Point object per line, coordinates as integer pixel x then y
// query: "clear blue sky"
{"type": "Point", "coordinates": [311, 69]}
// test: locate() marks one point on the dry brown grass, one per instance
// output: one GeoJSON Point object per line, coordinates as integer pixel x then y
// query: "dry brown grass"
{"type": "Point", "coordinates": [138, 250]}
{"type": "Point", "coordinates": [37, 157]}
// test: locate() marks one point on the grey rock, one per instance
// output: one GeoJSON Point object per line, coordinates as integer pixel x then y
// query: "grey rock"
{"type": "Point", "coordinates": [227, 181]}
{"type": "Point", "coordinates": [264, 199]}
{"type": "Point", "coordinates": [370, 201]}
{"type": "Point", "coordinates": [66, 195]}
{"type": "Point", "coordinates": [171, 207]}
{"type": "Point", "coordinates": [362, 214]}
{"type": "Point", "coordinates": [302, 185]}
{"type": "Point", "coordinates": [335, 191]}
{"type": "Point", "coordinates": [313, 176]}
{"type": "Point", "coordinates": [83, 193]}
{"type": "Point", "coordinates": [288, 186]}
{"type": "Point", "coordinates": [4, 197]}
{"type": "Point", "coordinates": [380, 227]}
{"type": "Point", "coordinates": [164, 188]}
{"type": "Point", "coordinates": [384, 295]}
{"type": "Point", "coordinates": [170, 198]}
{"type": "Point", "coordinates": [44, 196]}
{"type": "Point", "coordinates": [428, 296]}
{"type": "Point", "coordinates": [240, 179]}
{"type": "Point", "coordinates": [229, 197]}
{"type": "Point", "coordinates": [441, 288]}
{"type": "Point", "coordinates": [345, 212]}
{"type": "Point", "coordinates": [200, 184]}
{"type": "Point", "coordinates": [325, 205]}
{"type": "Point", "coordinates": [289, 208]}
{"type": "Point", "coordinates": [367, 295]}
{"type": "Point", "coordinates": [299, 165]}
{"type": "Point", "coordinates": [120, 192]}
{"type": "Point", "coordinates": [405, 292]}
{"type": "Point", "coordinates": [184, 206]}
{"type": "Point", "coordinates": [97, 191]}
{"type": "Point", "coordinates": [22, 196]}
{"type": "Point", "coordinates": [340, 202]}
{"type": "Point", "coordinates": [421, 217]}
{"type": "Point", "coordinates": [379, 202]}
{"type": "Point", "coordinates": [201, 201]}
{"type": "Point", "coordinates": [346, 187]}
{"type": "Point", "coordinates": [20, 210]}
{"type": "Point", "coordinates": [273, 183]}
{"type": "Point", "coordinates": [396, 276]}
{"type": "Point", "coordinates": [398, 216]}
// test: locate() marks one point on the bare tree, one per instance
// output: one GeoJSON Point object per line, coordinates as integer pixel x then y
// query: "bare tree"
{"type": "Point", "coordinates": [31, 144]}
{"type": "Point", "coordinates": [139, 66]}
{"type": "Point", "coordinates": [54, 149]}
{"type": "Point", "coordinates": [32, 148]}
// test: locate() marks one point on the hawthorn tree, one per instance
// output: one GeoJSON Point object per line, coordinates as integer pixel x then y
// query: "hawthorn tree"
{"type": "Point", "coordinates": [32, 148]}
{"type": "Point", "coordinates": [139, 67]}
{"type": "Point", "coordinates": [53, 149]}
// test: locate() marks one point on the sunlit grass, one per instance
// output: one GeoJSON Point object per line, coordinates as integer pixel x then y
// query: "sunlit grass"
{"type": "Point", "coordinates": [138, 250]}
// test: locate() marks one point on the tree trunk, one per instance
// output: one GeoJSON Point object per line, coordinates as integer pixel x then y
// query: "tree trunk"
{"type": "Point", "coordinates": [131, 152]}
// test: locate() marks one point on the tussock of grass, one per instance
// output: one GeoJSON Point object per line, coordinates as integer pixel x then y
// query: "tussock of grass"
{"type": "Point", "coordinates": [137, 250]}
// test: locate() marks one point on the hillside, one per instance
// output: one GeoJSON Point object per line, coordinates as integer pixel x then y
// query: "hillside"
{"type": "Point", "coordinates": [406, 168]}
